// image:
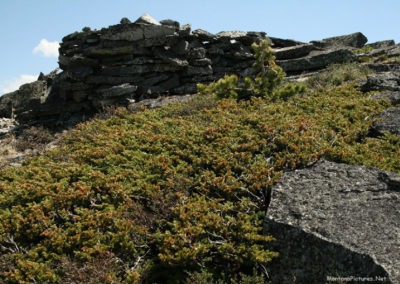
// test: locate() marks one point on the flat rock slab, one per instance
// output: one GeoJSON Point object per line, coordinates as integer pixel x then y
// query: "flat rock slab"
{"type": "Point", "coordinates": [383, 81]}
{"type": "Point", "coordinates": [355, 40]}
{"type": "Point", "coordinates": [389, 120]}
{"type": "Point", "coordinates": [292, 52]}
{"type": "Point", "coordinates": [317, 60]}
{"type": "Point", "coordinates": [392, 97]}
{"type": "Point", "coordinates": [332, 208]}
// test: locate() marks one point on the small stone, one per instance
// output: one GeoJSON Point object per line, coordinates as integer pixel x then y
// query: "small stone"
{"type": "Point", "coordinates": [170, 23]}
{"type": "Point", "coordinates": [203, 35]}
{"type": "Point", "coordinates": [185, 30]}
{"type": "Point", "coordinates": [125, 21]}
{"type": "Point", "coordinates": [147, 20]}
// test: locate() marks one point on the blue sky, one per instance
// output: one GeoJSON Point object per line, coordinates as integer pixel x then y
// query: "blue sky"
{"type": "Point", "coordinates": [30, 29]}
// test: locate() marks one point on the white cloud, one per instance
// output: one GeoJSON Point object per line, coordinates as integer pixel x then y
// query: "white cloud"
{"type": "Point", "coordinates": [46, 48]}
{"type": "Point", "coordinates": [14, 84]}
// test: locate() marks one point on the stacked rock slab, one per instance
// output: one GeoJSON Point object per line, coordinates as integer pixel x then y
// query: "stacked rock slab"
{"type": "Point", "coordinates": [131, 62]}
{"type": "Point", "coordinates": [127, 63]}
{"type": "Point", "coordinates": [134, 61]}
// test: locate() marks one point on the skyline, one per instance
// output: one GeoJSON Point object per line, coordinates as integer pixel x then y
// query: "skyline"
{"type": "Point", "coordinates": [31, 31]}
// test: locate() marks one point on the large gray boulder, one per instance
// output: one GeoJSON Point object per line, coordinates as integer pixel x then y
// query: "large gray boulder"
{"type": "Point", "coordinates": [336, 220]}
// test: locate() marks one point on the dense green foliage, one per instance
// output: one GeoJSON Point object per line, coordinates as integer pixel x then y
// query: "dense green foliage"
{"type": "Point", "coordinates": [266, 83]}
{"type": "Point", "coordinates": [178, 194]}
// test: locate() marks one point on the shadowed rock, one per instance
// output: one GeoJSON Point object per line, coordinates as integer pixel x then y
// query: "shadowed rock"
{"type": "Point", "coordinates": [352, 207]}
{"type": "Point", "coordinates": [356, 40]}
{"type": "Point", "coordinates": [317, 60]}
{"type": "Point", "coordinates": [388, 120]}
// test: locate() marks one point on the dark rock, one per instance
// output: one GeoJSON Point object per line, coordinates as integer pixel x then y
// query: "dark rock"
{"type": "Point", "coordinates": [280, 43]}
{"type": "Point", "coordinates": [394, 51]}
{"type": "Point", "coordinates": [356, 40]}
{"type": "Point", "coordinates": [125, 21]}
{"type": "Point", "coordinates": [198, 70]}
{"type": "Point", "coordinates": [197, 53]}
{"type": "Point", "coordinates": [77, 60]}
{"type": "Point", "coordinates": [382, 67]}
{"type": "Point", "coordinates": [80, 96]}
{"type": "Point", "coordinates": [117, 91]}
{"type": "Point", "coordinates": [28, 95]}
{"type": "Point", "coordinates": [346, 215]}
{"type": "Point", "coordinates": [184, 31]}
{"type": "Point", "coordinates": [307, 258]}
{"type": "Point", "coordinates": [214, 50]}
{"type": "Point", "coordinates": [201, 62]}
{"type": "Point", "coordinates": [181, 48]}
{"type": "Point", "coordinates": [41, 77]}
{"type": "Point", "coordinates": [388, 120]}
{"type": "Point", "coordinates": [203, 35]}
{"type": "Point", "coordinates": [171, 23]}
{"type": "Point", "coordinates": [80, 72]}
{"type": "Point", "coordinates": [158, 32]}
{"type": "Point", "coordinates": [392, 97]}
{"type": "Point", "coordinates": [109, 80]}
{"type": "Point", "coordinates": [294, 51]}
{"type": "Point", "coordinates": [317, 60]}
{"type": "Point", "coordinates": [383, 81]}
{"type": "Point", "coordinates": [381, 44]}
{"type": "Point", "coordinates": [124, 34]}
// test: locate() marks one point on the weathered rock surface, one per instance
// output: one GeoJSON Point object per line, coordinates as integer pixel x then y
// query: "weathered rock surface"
{"type": "Point", "coordinates": [384, 81]}
{"type": "Point", "coordinates": [336, 220]}
{"type": "Point", "coordinates": [317, 60]}
{"type": "Point", "coordinates": [146, 59]}
{"type": "Point", "coordinates": [388, 84]}
{"type": "Point", "coordinates": [355, 40]}
{"type": "Point", "coordinates": [294, 51]}
{"type": "Point", "coordinates": [130, 61]}
{"type": "Point", "coordinates": [392, 97]}
{"type": "Point", "coordinates": [388, 120]}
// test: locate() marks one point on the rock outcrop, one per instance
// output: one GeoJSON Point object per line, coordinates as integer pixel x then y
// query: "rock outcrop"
{"type": "Point", "coordinates": [387, 84]}
{"type": "Point", "coordinates": [336, 220]}
{"type": "Point", "coordinates": [146, 59]}
{"type": "Point", "coordinates": [129, 62]}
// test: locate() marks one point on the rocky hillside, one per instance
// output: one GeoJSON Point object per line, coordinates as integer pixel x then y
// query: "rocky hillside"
{"type": "Point", "coordinates": [299, 186]}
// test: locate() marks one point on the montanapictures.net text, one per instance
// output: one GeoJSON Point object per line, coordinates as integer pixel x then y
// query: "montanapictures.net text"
{"type": "Point", "coordinates": [356, 279]}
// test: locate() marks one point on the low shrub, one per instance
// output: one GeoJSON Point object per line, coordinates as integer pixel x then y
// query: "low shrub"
{"type": "Point", "coordinates": [35, 138]}
{"type": "Point", "coordinates": [338, 74]}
